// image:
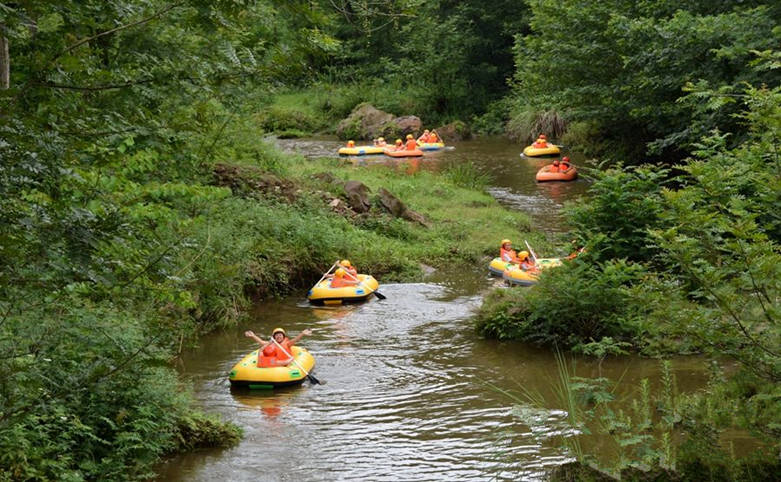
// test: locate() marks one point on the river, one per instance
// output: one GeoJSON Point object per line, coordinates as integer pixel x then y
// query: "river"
{"type": "Point", "coordinates": [410, 392]}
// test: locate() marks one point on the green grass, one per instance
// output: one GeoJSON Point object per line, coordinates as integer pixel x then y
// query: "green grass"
{"type": "Point", "coordinates": [467, 224]}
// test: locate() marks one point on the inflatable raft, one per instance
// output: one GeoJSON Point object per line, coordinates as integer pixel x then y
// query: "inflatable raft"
{"type": "Point", "coordinates": [544, 174]}
{"type": "Point", "coordinates": [531, 151]}
{"type": "Point", "coordinates": [247, 374]}
{"type": "Point", "coordinates": [545, 263]}
{"type": "Point", "coordinates": [517, 276]}
{"type": "Point", "coordinates": [431, 146]}
{"type": "Point", "coordinates": [361, 150]}
{"type": "Point", "coordinates": [497, 266]}
{"type": "Point", "coordinates": [404, 153]}
{"type": "Point", "coordinates": [323, 294]}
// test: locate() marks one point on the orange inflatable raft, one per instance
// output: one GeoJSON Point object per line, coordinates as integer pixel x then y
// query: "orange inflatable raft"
{"type": "Point", "coordinates": [404, 153]}
{"type": "Point", "coordinates": [545, 174]}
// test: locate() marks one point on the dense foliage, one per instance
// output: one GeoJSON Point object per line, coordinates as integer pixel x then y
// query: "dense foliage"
{"type": "Point", "coordinates": [119, 243]}
{"type": "Point", "coordinates": [441, 59]}
{"type": "Point", "coordinates": [678, 264]}
{"type": "Point", "coordinates": [616, 69]}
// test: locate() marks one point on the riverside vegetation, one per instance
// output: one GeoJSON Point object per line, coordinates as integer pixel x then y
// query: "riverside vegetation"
{"type": "Point", "coordinates": [118, 245]}
{"type": "Point", "coordinates": [683, 264]}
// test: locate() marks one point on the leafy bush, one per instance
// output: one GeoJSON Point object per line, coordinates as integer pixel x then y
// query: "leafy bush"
{"type": "Point", "coordinates": [571, 305]}
{"type": "Point", "coordinates": [621, 206]}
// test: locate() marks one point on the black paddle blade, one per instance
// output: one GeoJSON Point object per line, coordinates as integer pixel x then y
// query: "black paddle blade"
{"type": "Point", "coordinates": [313, 380]}
{"type": "Point", "coordinates": [379, 295]}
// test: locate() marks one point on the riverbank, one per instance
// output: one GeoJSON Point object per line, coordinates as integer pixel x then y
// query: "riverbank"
{"type": "Point", "coordinates": [181, 249]}
{"type": "Point", "coordinates": [673, 265]}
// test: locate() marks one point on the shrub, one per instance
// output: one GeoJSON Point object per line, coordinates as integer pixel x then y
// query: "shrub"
{"type": "Point", "coordinates": [571, 305]}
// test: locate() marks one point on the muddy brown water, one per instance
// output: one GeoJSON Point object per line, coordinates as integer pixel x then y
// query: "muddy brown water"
{"type": "Point", "coordinates": [410, 392]}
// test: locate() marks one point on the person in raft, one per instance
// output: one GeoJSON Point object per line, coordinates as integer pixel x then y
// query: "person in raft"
{"type": "Point", "coordinates": [380, 142]}
{"type": "Point", "coordinates": [433, 138]}
{"type": "Point", "coordinates": [399, 145]}
{"type": "Point", "coordinates": [565, 164]}
{"type": "Point", "coordinates": [350, 143]}
{"type": "Point", "coordinates": [526, 263]}
{"type": "Point", "coordinates": [507, 253]}
{"type": "Point", "coordinates": [411, 143]}
{"type": "Point", "coordinates": [555, 167]}
{"type": "Point", "coordinates": [348, 268]}
{"type": "Point", "coordinates": [341, 279]}
{"type": "Point", "coordinates": [541, 142]}
{"type": "Point", "coordinates": [578, 250]}
{"type": "Point", "coordinates": [277, 354]}
{"type": "Point", "coordinates": [424, 138]}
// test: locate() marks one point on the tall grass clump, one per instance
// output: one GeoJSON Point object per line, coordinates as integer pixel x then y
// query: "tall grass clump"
{"type": "Point", "coordinates": [467, 175]}
{"type": "Point", "coordinates": [526, 124]}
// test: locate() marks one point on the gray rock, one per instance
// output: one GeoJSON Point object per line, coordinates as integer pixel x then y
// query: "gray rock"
{"type": "Point", "coordinates": [357, 196]}
{"type": "Point", "coordinates": [364, 122]}
{"type": "Point", "coordinates": [398, 209]}
{"type": "Point", "coordinates": [455, 131]}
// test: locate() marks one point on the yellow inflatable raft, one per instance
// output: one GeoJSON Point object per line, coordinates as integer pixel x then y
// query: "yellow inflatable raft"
{"type": "Point", "coordinates": [497, 266]}
{"type": "Point", "coordinates": [431, 146]}
{"type": "Point", "coordinates": [248, 374]}
{"type": "Point", "coordinates": [323, 294]}
{"type": "Point", "coordinates": [531, 151]}
{"type": "Point", "coordinates": [544, 263]}
{"type": "Point", "coordinates": [517, 276]}
{"type": "Point", "coordinates": [361, 150]}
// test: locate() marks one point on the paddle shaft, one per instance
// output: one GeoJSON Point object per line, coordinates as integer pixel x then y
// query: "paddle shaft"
{"type": "Point", "coordinates": [531, 251]}
{"type": "Point", "coordinates": [308, 375]}
{"type": "Point", "coordinates": [326, 273]}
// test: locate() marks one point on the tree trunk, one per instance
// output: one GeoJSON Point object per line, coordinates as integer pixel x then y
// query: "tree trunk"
{"type": "Point", "coordinates": [5, 61]}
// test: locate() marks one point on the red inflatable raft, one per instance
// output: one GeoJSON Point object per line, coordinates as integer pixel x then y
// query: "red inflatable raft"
{"type": "Point", "coordinates": [545, 174]}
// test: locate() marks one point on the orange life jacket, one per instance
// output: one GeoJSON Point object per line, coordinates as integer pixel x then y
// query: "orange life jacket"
{"type": "Point", "coordinates": [341, 282]}
{"type": "Point", "coordinates": [424, 139]}
{"type": "Point", "coordinates": [508, 255]}
{"type": "Point", "coordinates": [412, 145]}
{"type": "Point", "coordinates": [268, 356]}
{"type": "Point", "coordinates": [554, 168]}
{"type": "Point", "coordinates": [540, 144]}
{"type": "Point", "coordinates": [432, 139]}
{"type": "Point", "coordinates": [281, 355]}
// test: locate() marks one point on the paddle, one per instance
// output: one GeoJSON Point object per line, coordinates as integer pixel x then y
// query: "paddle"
{"type": "Point", "coordinates": [534, 256]}
{"type": "Point", "coordinates": [531, 251]}
{"type": "Point", "coordinates": [376, 293]}
{"type": "Point", "coordinates": [309, 376]}
{"type": "Point", "coordinates": [327, 272]}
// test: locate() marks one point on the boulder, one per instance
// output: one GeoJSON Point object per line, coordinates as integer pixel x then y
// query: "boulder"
{"type": "Point", "coordinates": [398, 209]}
{"type": "Point", "coordinates": [368, 122]}
{"type": "Point", "coordinates": [357, 196]}
{"type": "Point", "coordinates": [364, 122]}
{"type": "Point", "coordinates": [455, 131]}
{"type": "Point", "coordinates": [401, 126]}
